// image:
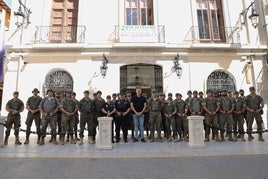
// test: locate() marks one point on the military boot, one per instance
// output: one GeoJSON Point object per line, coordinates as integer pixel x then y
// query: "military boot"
{"type": "Point", "coordinates": [27, 139]}
{"type": "Point", "coordinates": [206, 137]}
{"type": "Point", "coordinates": [151, 137]}
{"type": "Point", "coordinates": [38, 139]}
{"type": "Point", "coordinates": [81, 141]}
{"type": "Point", "coordinates": [90, 141]}
{"type": "Point", "coordinates": [17, 141]}
{"type": "Point", "coordinates": [68, 138]}
{"type": "Point", "coordinates": [54, 141]}
{"type": "Point", "coordinates": [242, 138]}
{"type": "Point", "coordinates": [217, 138]}
{"type": "Point", "coordinates": [230, 138]}
{"type": "Point", "coordinates": [159, 138]}
{"type": "Point", "coordinates": [42, 141]}
{"type": "Point", "coordinates": [180, 139]}
{"type": "Point", "coordinates": [235, 137]}
{"type": "Point", "coordinates": [76, 137]}
{"type": "Point", "coordinates": [250, 137]}
{"type": "Point", "coordinates": [213, 136]}
{"type": "Point", "coordinates": [6, 140]}
{"type": "Point", "coordinates": [50, 140]}
{"type": "Point", "coordinates": [239, 136]}
{"type": "Point", "coordinates": [72, 140]}
{"type": "Point", "coordinates": [62, 140]}
{"type": "Point", "coordinates": [222, 137]}
{"type": "Point", "coordinates": [260, 137]}
{"type": "Point", "coordinates": [169, 138]}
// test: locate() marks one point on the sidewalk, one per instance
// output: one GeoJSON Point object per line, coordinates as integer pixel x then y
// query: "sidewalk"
{"type": "Point", "coordinates": [133, 150]}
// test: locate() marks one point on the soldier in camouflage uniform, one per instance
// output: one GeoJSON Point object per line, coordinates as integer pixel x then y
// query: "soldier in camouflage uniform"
{"type": "Point", "coordinates": [33, 114]}
{"type": "Point", "coordinates": [86, 109]}
{"type": "Point", "coordinates": [211, 107]}
{"type": "Point", "coordinates": [14, 107]}
{"type": "Point", "coordinates": [254, 104]}
{"type": "Point", "coordinates": [98, 103]}
{"type": "Point", "coordinates": [238, 116]}
{"type": "Point", "coordinates": [49, 108]}
{"type": "Point", "coordinates": [76, 120]}
{"type": "Point", "coordinates": [181, 118]}
{"type": "Point", "coordinates": [169, 111]}
{"type": "Point", "coordinates": [226, 117]}
{"type": "Point", "coordinates": [155, 106]}
{"type": "Point", "coordinates": [195, 104]}
{"type": "Point", "coordinates": [69, 107]}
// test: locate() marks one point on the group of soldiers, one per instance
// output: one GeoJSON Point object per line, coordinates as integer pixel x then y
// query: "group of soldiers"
{"type": "Point", "coordinates": [223, 113]}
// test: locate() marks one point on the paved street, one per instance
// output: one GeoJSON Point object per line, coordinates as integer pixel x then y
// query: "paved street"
{"type": "Point", "coordinates": [135, 160]}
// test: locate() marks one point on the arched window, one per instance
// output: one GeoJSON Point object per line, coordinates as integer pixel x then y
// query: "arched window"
{"type": "Point", "coordinates": [219, 80]}
{"type": "Point", "coordinates": [58, 80]}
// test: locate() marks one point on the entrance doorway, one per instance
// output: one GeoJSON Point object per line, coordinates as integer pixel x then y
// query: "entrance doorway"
{"type": "Point", "coordinates": [146, 76]}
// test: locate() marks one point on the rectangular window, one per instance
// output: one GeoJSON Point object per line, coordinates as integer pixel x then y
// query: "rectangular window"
{"type": "Point", "coordinates": [138, 12]}
{"type": "Point", "coordinates": [64, 18]}
{"type": "Point", "coordinates": [210, 20]}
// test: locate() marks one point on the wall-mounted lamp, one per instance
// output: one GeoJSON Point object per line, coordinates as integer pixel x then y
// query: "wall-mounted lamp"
{"type": "Point", "coordinates": [177, 66]}
{"type": "Point", "coordinates": [23, 15]}
{"type": "Point", "coordinates": [254, 17]}
{"type": "Point", "coordinates": [104, 67]}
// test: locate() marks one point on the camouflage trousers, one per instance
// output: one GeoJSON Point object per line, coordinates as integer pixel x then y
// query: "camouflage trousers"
{"type": "Point", "coordinates": [250, 119]}
{"type": "Point", "coordinates": [87, 119]}
{"type": "Point", "coordinates": [67, 124]}
{"type": "Point", "coordinates": [51, 120]}
{"type": "Point", "coordinates": [29, 121]}
{"type": "Point", "coordinates": [13, 120]}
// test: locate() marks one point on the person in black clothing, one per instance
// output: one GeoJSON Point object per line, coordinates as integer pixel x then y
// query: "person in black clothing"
{"type": "Point", "coordinates": [109, 110]}
{"type": "Point", "coordinates": [122, 107]}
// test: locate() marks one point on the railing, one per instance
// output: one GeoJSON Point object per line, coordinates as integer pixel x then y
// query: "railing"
{"type": "Point", "coordinates": [205, 34]}
{"type": "Point", "coordinates": [138, 33]}
{"type": "Point", "coordinates": [59, 34]}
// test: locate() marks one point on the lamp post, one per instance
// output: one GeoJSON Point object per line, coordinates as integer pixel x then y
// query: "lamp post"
{"type": "Point", "coordinates": [177, 67]}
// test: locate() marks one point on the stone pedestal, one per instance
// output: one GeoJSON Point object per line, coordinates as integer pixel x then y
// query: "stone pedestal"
{"type": "Point", "coordinates": [2, 129]}
{"type": "Point", "coordinates": [196, 134]}
{"type": "Point", "coordinates": [104, 141]}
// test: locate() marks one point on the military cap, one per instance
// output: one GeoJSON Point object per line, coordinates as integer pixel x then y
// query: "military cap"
{"type": "Point", "coordinates": [35, 90]}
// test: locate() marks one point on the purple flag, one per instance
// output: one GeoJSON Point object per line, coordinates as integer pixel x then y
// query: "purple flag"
{"type": "Point", "coordinates": [2, 51]}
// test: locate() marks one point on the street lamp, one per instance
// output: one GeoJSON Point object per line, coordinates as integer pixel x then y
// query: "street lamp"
{"type": "Point", "coordinates": [22, 14]}
{"type": "Point", "coordinates": [254, 17]}
{"type": "Point", "coordinates": [104, 67]}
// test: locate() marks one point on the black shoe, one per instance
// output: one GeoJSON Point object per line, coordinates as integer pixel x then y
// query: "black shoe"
{"type": "Point", "coordinates": [125, 141]}
{"type": "Point", "coordinates": [112, 141]}
{"type": "Point", "coordinates": [117, 141]}
{"type": "Point", "coordinates": [135, 140]}
{"type": "Point", "coordinates": [143, 140]}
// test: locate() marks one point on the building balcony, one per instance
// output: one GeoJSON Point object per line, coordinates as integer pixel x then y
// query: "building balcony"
{"type": "Point", "coordinates": [59, 34]}
{"type": "Point", "coordinates": [205, 34]}
{"type": "Point", "coordinates": [138, 34]}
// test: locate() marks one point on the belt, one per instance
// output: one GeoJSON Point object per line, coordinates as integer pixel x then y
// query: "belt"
{"type": "Point", "coordinates": [156, 111]}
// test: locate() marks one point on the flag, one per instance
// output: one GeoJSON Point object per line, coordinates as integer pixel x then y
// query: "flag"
{"type": "Point", "coordinates": [2, 47]}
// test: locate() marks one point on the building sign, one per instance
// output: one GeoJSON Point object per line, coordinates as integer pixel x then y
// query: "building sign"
{"type": "Point", "coordinates": [219, 80]}
{"type": "Point", "coordinates": [138, 33]}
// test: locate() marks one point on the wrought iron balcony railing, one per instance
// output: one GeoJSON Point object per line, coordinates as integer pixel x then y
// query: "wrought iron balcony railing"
{"type": "Point", "coordinates": [59, 34]}
{"type": "Point", "coordinates": [206, 34]}
{"type": "Point", "coordinates": [138, 33]}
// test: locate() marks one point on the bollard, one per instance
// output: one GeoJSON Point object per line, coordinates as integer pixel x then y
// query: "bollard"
{"type": "Point", "coordinates": [104, 141]}
{"type": "Point", "coordinates": [196, 134]}
{"type": "Point", "coordinates": [2, 128]}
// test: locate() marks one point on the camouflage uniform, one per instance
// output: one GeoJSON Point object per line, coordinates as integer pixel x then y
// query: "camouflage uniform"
{"type": "Point", "coordinates": [181, 119]}
{"type": "Point", "coordinates": [86, 109]}
{"type": "Point", "coordinates": [13, 119]}
{"type": "Point", "coordinates": [226, 117]}
{"type": "Point", "coordinates": [155, 120]}
{"type": "Point", "coordinates": [98, 105]}
{"type": "Point", "coordinates": [32, 104]}
{"type": "Point", "coordinates": [49, 106]}
{"type": "Point", "coordinates": [169, 111]}
{"type": "Point", "coordinates": [211, 120]}
{"type": "Point", "coordinates": [195, 106]}
{"type": "Point", "coordinates": [255, 103]}
{"type": "Point", "coordinates": [67, 123]}
{"type": "Point", "coordinates": [238, 117]}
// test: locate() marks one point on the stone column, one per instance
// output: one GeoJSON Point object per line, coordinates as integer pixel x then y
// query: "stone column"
{"type": "Point", "coordinates": [196, 131]}
{"type": "Point", "coordinates": [104, 141]}
{"type": "Point", "coordinates": [2, 129]}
